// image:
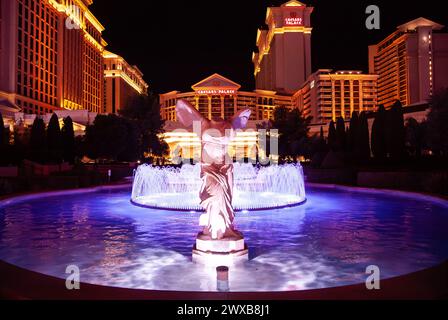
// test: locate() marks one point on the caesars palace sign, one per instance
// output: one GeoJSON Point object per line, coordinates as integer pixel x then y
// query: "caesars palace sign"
{"type": "Point", "coordinates": [293, 20]}
{"type": "Point", "coordinates": [216, 91]}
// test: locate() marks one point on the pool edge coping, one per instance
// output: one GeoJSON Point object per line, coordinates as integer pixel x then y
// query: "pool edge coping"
{"type": "Point", "coordinates": [9, 199]}
{"type": "Point", "coordinates": [22, 284]}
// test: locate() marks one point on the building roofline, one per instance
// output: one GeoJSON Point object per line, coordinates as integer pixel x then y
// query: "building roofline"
{"type": "Point", "coordinates": [216, 75]}
{"type": "Point", "coordinates": [409, 26]}
{"type": "Point", "coordinates": [293, 3]}
{"type": "Point", "coordinates": [419, 22]}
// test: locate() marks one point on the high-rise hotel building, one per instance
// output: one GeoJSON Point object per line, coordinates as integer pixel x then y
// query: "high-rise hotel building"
{"type": "Point", "coordinates": [283, 78]}
{"type": "Point", "coordinates": [283, 64]}
{"type": "Point", "coordinates": [122, 82]}
{"type": "Point", "coordinates": [412, 63]}
{"type": "Point", "coordinates": [51, 55]}
{"type": "Point", "coordinates": [283, 60]}
{"type": "Point", "coordinates": [328, 95]}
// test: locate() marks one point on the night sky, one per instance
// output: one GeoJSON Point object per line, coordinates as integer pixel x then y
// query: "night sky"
{"type": "Point", "coordinates": [178, 43]}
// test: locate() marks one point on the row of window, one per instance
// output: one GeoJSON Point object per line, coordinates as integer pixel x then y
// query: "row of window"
{"type": "Point", "coordinates": [31, 108]}
{"type": "Point", "coordinates": [217, 100]}
{"type": "Point", "coordinates": [92, 84]}
{"type": "Point", "coordinates": [113, 66]}
{"type": "Point", "coordinates": [39, 8]}
{"type": "Point", "coordinates": [38, 57]}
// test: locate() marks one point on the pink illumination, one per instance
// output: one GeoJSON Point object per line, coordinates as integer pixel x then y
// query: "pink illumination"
{"type": "Point", "coordinates": [217, 175]}
{"type": "Point", "coordinates": [220, 91]}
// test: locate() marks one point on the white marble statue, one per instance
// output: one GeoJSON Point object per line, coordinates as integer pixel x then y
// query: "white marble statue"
{"type": "Point", "coordinates": [216, 168]}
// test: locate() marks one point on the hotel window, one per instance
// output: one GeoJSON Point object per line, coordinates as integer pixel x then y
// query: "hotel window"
{"type": "Point", "coordinates": [203, 105]}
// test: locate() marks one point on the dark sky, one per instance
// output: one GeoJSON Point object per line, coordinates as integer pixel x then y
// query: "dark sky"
{"type": "Point", "coordinates": [178, 43]}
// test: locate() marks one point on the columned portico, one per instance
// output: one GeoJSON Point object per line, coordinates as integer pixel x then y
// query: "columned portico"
{"type": "Point", "coordinates": [218, 97]}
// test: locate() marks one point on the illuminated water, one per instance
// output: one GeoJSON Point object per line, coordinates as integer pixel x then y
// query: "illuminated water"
{"type": "Point", "coordinates": [329, 241]}
{"type": "Point", "coordinates": [254, 188]}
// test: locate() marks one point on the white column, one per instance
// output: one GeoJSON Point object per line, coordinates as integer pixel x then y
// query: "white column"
{"type": "Point", "coordinates": [333, 100]}
{"type": "Point", "coordinates": [342, 82]}
{"type": "Point", "coordinates": [352, 102]}
{"type": "Point", "coordinates": [235, 104]}
{"type": "Point", "coordinates": [361, 97]}
{"type": "Point", "coordinates": [209, 107]}
{"type": "Point", "coordinates": [222, 107]}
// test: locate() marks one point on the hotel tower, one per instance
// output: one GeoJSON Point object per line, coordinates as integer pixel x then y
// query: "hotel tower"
{"type": "Point", "coordinates": [122, 81]}
{"type": "Point", "coordinates": [283, 60]}
{"type": "Point", "coordinates": [412, 63]}
{"type": "Point", "coordinates": [328, 95]}
{"type": "Point", "coordinates": [51, 55]}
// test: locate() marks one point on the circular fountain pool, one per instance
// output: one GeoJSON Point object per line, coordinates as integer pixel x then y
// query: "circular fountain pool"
{"type": "Point", "coordinates": [329, 241]}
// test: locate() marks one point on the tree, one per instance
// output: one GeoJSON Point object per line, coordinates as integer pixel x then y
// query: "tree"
{"type": "Point", "coordinates": [2, 133]}
{"type": "Point", "coordinates": [379, 142]}
{"type": "Point", "coordinates": [54, 140]}
{"type": "Point", "coordinates": [353, 132]}
{"type": "Point", "coordinates": [106, 138]}
{"type": "Point", "coordinates": [362, 149]}
{"type": "Point", "coordinates": [319, 149]}
{"type": "Point", "coordinates": [131, 150]}
{"type": "Point", "coordinates": [322, 147]}
{"type": "Point", "coordinates": [4, 143]}
{"type": "Point", "coordinates": [340, 135]}
{"type": "Point", "coordinates": [437, 123]}
{"type": "Point", "coordinates": [68, 140]}
{"type": "Point", "coordinates": [280, 122]}
{"type": "Point", "coordinates": [144, 111]}
{"type": "Point", "coordinates": [332, 136]}
{"type": "Point", "coordinates": [415, 137]}
{"type": "Point", "coordinates": [293, 129]}
{"type": "Point", "coordinates": [298, 128]}
{"type": "Point", "coordinates": [395, 132]}
{"type": "Point", "coordinates": [264, 140]}
{"type": "Point", "coordinates": [38, 141]}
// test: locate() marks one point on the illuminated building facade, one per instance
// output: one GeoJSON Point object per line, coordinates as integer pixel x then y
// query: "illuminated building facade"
{"type": "Point", "coordinates": [412, 63]}
{"type": "Point", "coordinates": [283, 60]}
{"type": "Point", "coordinates": [122, 82]}
{"type": "Point", "coordinates": [219, 97]}
{"type": "Point", "coordinates": [51, 55]}
{"type": "Point", "coordinates": [328, 95]}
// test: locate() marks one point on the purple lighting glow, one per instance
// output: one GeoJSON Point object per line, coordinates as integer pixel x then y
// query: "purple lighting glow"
{"type": "Point", "coordinates": [254, 189]}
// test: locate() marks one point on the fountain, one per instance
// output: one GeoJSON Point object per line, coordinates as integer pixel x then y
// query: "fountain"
{"type": "Point", "coordinates": [255, 188]}
{"type": "Point", "coordinates": [218, 186]}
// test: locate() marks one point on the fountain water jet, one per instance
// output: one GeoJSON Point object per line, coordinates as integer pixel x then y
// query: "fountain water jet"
{"type": "Point", "coordinates": [275, 186]}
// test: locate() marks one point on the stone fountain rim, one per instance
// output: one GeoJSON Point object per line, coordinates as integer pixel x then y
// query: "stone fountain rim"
{"type": "Point", "coordinates": [291, 205]}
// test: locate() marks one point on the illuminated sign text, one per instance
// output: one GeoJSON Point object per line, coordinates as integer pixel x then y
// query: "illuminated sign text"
{"type": "Point", "coordinates": [293, 21]}
{"type": "Point", "coordinates": [217, 91]}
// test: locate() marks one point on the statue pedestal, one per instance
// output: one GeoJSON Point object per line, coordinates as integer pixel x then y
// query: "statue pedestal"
{"type": "Point", "coordinates": [224, 252]}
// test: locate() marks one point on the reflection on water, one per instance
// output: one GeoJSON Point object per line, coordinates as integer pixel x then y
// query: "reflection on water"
{"type": "Point", "coordinates": [327, 242]}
